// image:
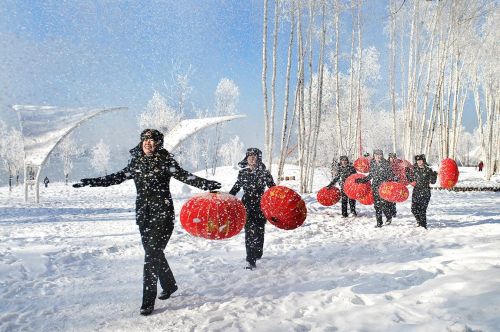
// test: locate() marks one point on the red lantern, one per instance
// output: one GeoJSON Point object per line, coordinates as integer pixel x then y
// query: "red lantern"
{"type": "Point", "coordinates": [399, 169]}
{"type": "Point", "coordinates": [328, 197]}
{"type": "Point", "coordinates": [283, 207]}
{"type": "Point", "coordinates": [393, 192]}
{"type": "Point", "coordinates": [356, 190]}
{"type": "Point", "coordinates": [213, 216]}
{"type": "Point", "coordinates": [362, 164]}
{"type": "Point", "coordinates": [367, 199]}
{"type": "Point", "coordinates": [448, 173]}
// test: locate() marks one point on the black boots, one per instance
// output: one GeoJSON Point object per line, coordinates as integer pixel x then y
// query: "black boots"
{"type": "Point", "coordinates": [147, 310]}
{"type": "Point", "coordinates": [165, 294]}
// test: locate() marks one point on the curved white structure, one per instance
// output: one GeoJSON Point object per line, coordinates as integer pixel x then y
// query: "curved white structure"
{"type": "Point", "coordinates": [188, 127]}
{"type": "Point", "coordinates": [43, 127]}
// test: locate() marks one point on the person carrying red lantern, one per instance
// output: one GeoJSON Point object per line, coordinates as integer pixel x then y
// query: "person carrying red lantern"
{"type": "Point", "coordinates": [380, 171]}
{"type": "Point", "coordinates": [345, 169]}
{"type": "Point", "coordinates": [423, 175]}
{"type": "Point", "coordinates": [395, 169]}
{"type": "Point", "coordinates": [253, 178]}
{"type": "Point", "coordinates": [151, 167]}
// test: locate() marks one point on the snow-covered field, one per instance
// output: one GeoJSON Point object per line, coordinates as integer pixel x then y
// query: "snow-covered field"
{"type": "Point", "coordinates": [74, 263]}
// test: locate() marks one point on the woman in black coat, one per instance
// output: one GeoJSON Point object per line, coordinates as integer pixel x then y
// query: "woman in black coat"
{"type": "Point", "coordinates": [151, 168]}
{"type": "Point", "coordinates": [253, 178]}
{"type": "Point", "coordinates": [423, 176]}
{"type": "Point", "coordinates": [380, 171]}
{"type": "Point", "coordinates": [344, 170]}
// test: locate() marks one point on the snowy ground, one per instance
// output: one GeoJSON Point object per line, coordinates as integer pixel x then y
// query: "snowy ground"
{"type": "Point", "coordinates": [74, 263]}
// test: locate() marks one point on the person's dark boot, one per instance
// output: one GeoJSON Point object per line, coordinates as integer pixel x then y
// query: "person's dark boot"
{"type": "Point", "coordinates": [379, 224]}
{"type": "Point", "coordinates": [388, 221]}
{"type": "Point", "coordinates": [165, 294]}
{"type": "Point", "coordinates": [147, 310]}
{"type": "Point", "coordinates": [354, 213]}
{"type": "Point", "coordinates": [250, 266]}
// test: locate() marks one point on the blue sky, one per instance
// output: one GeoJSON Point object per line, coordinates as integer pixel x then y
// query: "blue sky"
{"type": "Point", "coordinates": [116, 53]}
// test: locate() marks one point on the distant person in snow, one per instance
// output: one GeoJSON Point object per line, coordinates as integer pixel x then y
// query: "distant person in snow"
{"type": "Point", "coordinates": [151, 168]}
{"type": "Point", "coordinates": [423, 175]}
{"type": "Point", "coordinates": [380, 171]}
{"type": "Point", "coordinates": [345, 169]}
{"type": "Point", "coordinates": [393, 160]}
{"type": "Point", "coordinates": [253, 178]}
{"type": "Point", "coordinates": [480, 166]}
{"type": "Point", "coordinates": [46, 182]}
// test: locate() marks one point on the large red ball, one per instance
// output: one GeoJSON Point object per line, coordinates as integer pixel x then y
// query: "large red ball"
{"type": "Point", "coordinates": [393, 192]}
{"type": "Point", "coordinates": [328, 197]}
{"type": "Point", "coordinates": [362, 164]}
{"type": "Point", "coordinates": [368, 199]}
{"type": "Point", "coordinates": [283, 207]}
{"type": "Point", "coordinates": [213, 216]}
{"type": "Point", "coordinates": [356, 190]}
{"type": "Point", "coordinates": [448, 173]}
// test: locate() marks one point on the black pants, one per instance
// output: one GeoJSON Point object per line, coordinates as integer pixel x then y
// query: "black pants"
{"type": "Point", "coordinates": [419, 202]}
{"type": "Point", "coordinates": [381, 206]}
{"type": "Point", "coordinates": [392, 207]}
{"type": "Point", "coordinates": [154, 240]}
{"type": "Point", "coordinates": [352, 204]}
{"type": "Point", "coordinates": [254, 235]}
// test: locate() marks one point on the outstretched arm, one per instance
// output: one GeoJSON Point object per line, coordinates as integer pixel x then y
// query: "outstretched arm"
{"type": "Point", "coordinates": [105, 181]}
{"type": "Point", "coordinates": [184, 176]}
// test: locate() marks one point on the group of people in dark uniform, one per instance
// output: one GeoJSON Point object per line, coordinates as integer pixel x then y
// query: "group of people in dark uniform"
{"type": "Point", "coordinates": [380, 171]}
{"type": "Point", "coordinates": [151, 167]}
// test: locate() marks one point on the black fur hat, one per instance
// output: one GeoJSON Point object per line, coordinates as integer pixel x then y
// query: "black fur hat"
{"type": "Point", "coordinates": [420, 157]}
{"type": "Point", "coordinates": [153, 134]}
{"type": "Point", "coordinates": [344, 158]}
{"type": "Point", "coordinates": [251, 151]}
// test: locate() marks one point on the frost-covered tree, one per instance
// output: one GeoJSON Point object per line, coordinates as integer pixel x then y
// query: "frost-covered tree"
{"type": "Point", "coordinates": [232, 151]}
{"type": "Point", "coordinates": [226, 101]}
{"type": "Point", "coordinates": [159, 115]}
{"type": "Point", "coordinates": [11, 151]}
{"type": "Point", "coordinates": [100, 157]}
{"type": "Point", "coordinates": [68, 149]}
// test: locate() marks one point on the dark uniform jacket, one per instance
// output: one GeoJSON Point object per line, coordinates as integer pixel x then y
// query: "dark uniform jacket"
{"type": "Point", "coordinates": [379, 172]}
{"type": "Point", "coordinates": [342, 174]}
{"type": "Point", "coordinates": [254, 184]}
{"type": "Point", "coordinates": [152, 179]}
{"type": "Point", "coordinates": [422, 176]}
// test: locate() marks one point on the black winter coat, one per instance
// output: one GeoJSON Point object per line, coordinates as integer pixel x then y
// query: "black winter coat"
{"type": "Point", "coordinates": [254, 184]}
{"type": "Point", "coordinates": [343, 172]}
{"type": "Point", "coordinates": [422, 176]}
{"type": "Point", "coordinates": [152, 181]}
{"type": "Point", "coordinates": [379, 172]}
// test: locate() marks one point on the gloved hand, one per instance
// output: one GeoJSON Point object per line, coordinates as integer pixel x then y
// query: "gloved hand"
{"type": "Point", "coordinates": [212, 186]}
{"type": "Point", "coordinates": [82, 183]}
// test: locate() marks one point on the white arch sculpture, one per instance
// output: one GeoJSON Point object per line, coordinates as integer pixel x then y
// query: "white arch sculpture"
{"type": "Point", "coordinates": [188, 127]}
{"type": "Point", "coordinates": [43, 127]}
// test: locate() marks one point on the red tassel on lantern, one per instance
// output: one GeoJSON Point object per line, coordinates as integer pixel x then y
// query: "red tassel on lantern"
{"type": "Point", "coordinates": [283, 207]}
{"type": "Point", "coordinates": [213, 216]}
{"type": "Point", "coordinates": [356, 190]}
{"type": "Point", "coordinates": [448, 173]}
{"type": "Point", "coordinates": [362, 164]}
{"type": "Point", "coordinates": [393, 192]}
{"type": "Point", "coordinates": [328, 197]}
